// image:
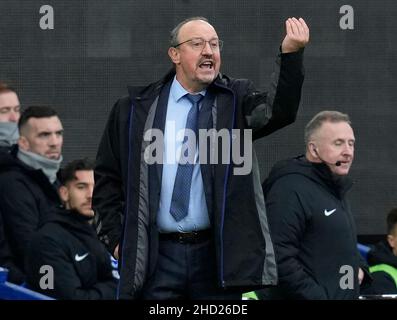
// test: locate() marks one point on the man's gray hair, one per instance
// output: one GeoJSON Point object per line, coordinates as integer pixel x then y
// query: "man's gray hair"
{"type": "Point", "coordinates": [174, 41]}
{"type": "Point", "coordinates": [324, 116]}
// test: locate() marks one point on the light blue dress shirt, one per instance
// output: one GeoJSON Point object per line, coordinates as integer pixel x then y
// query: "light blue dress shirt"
{"type": "Point", "coordinates": [197, 218]}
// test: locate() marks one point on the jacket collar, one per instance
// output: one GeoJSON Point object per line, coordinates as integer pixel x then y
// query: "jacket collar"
{"type": "Point", "coordinates": [153, 89]}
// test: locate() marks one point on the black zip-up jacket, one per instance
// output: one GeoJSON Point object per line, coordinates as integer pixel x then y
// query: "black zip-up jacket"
{"type": "Point", "coordinates": [25, 193]}
{"type": "Point", "coordinates": [81, 264]}
{"type": "Point", "coordinates": [313, 231]}
{"type": "Point", "coordinates": [127, 188]}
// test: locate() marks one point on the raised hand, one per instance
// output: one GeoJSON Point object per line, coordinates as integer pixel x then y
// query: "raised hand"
{"type": "Point", "coordinates": [297, 35]}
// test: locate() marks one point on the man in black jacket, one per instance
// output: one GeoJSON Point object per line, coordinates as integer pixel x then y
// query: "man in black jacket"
{"type": "Point", "coordinates": [67, 243]}
{"type": "Point", "coordinates": [28, 181]}
{"type": "Point", "coordinates": [9, 116]}
{"type": "Point", "coordinates": [194, 229]}
{"type": "Point", "coordinates": [312, 228]}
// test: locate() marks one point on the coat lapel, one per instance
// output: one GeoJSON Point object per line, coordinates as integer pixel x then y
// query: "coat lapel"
{"type": "Point", "coordinates": [156, 170]}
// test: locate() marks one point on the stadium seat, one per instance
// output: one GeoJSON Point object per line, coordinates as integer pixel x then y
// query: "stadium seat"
{"type": "Point", "coordinates": [363, 249]}
{"type": "Point", "coordinates": [10, 291]}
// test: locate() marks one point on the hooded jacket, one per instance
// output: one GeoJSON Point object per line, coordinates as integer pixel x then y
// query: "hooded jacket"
{"type": "Point", "coordinates": [313, 231]}
{"type": "Point", "coordinates": [25, 193]}
{"type": "Point", "coordinates": [81, 264]}
{"type": "Point", "coordinates": [127, 188]}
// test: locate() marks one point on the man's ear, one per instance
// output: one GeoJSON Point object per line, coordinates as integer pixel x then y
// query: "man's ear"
{"type": "Point", "coordinates": [23, 143]}
{"type": "Point", "coordinates": [173, 53]}
{"type": "Point", "coordinates": [63, 194]}
{"type": "Point", "coordinates": [313, 150]}
{"type": "Point", "coordinates": [390, 240]}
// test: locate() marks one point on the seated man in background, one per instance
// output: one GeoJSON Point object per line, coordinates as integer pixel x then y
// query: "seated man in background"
{"type": "Point", "coordinates": [311, 224]}
{"type": "Point", "coordinates": [382, 259]}
{"type": "Point", "coordinates": [66, 241]}
{"type": "Point", "coordinates": [28, 177]}
{"type": "Point", "coordinates": [9, 116]}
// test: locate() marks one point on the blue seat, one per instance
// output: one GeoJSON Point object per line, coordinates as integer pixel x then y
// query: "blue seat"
{"type": "Point", "coordinates": [363, 249]}
{"type": "Point", "coordinates": [10, 291]}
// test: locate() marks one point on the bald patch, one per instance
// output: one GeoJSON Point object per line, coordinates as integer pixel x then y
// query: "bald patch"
{"type": "Point", "coordinates": [189, 30]}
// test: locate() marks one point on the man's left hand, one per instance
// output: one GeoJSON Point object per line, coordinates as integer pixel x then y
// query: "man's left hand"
{"type": "Point", "coordinates": [297, 35]}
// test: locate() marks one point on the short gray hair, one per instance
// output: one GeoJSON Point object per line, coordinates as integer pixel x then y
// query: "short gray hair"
{"type": "Point", "coordinates": [175, 32]}
{"type": "Point", "coordinates": [324, 116]}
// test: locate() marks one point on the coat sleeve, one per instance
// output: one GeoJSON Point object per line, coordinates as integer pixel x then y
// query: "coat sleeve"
{"type": "Point", "coordinates": [287, 223]}
{"type": "Point", "coordinates": [44, 251]}
{"type": "Point", "coordinates": [266, 112]}
{"type": "Point", "coordinates": [362, 263]}
{"type": "Point", "coordinates": [108, 198]}
{"type": "Point", "coordinates": [15, 274]}
{"type": "Point", "coordinates": [20, 213]}
{"type": "Point", "coordinates": [381, 283]}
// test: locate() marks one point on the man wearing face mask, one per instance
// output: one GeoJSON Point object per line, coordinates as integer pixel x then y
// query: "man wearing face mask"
{"type": "Point", "coordinates": [9, 116]}
{"type": "Point", "coordinates": [28, 176]}
{"type": "Point", "coordinates": [312, 228]}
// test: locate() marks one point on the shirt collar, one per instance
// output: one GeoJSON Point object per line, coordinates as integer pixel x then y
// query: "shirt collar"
{"type": "Point", "coordinates": [177, 91]}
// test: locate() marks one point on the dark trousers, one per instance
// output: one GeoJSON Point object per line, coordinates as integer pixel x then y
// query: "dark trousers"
{"type": "Point", "coordinates": [186, 271]}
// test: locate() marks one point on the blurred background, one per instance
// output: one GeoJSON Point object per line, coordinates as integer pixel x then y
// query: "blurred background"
{"type": "Point", "coordinates": [98, 47]}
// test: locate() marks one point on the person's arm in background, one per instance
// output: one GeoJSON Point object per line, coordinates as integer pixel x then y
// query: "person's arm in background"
{"type": "Point", "coordinates": [381, 283]}
{"type": "Point", "coordinates": [364, 276]}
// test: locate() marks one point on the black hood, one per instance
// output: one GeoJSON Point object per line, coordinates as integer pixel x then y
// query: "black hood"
{"type": "Point", "coordinates": [318, 172]}
{"type": "Point", "coordinates": [382, 253]}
